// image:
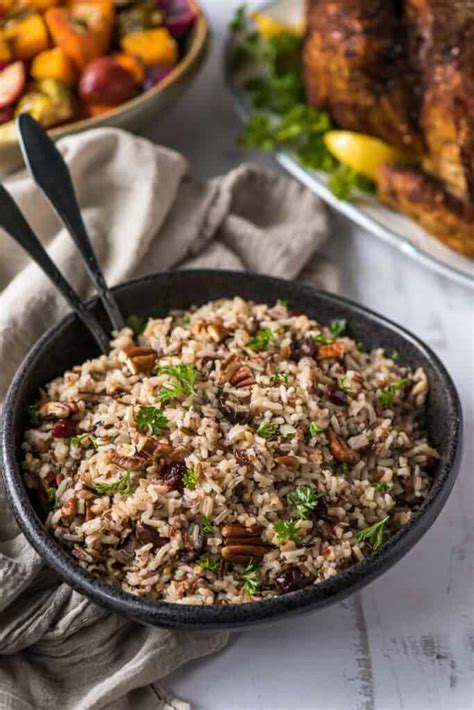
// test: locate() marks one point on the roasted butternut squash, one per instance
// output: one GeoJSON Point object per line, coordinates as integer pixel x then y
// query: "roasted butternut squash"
{"type": "Point", "coordinates": [5, 51]}
{"type": "Point", "coordinates": [98, 16]}
{"type": "Point", "coordinates": [54, 64]}
{"type": "Point", "coordinates": [78, 43]}
{"type": "Point", "coordinates": [152, 46]}
{"type": "Point", "coordinates": [27, 36]}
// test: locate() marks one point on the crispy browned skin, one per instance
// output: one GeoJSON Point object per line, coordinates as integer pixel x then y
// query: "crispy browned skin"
{"type": "Point", "coordinates": [441, 51]}
{"type": "Point", "coordinates": [355, 68]}
{"type": "Point", "coordinates": [448, 219]}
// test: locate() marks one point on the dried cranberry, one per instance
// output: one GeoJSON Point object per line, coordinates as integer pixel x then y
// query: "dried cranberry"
{"type": "Point", "coordinates": [173, 474]}
{"type": "Point", "coordinates": [146, 533]}
{"type": "Point", "coordinates": [231, 413]}
{"type": "Point", "coordinates": [241, 457]}
{"type": "Point", "coordinates": [63, 429]}
{"type": "Point", "coordinates": [191, 553]}
{"type": "Point", "coordinates": [303, 347]}
{"type": "Point", "coordinates": [294, 312]}
{"type": "Point", "coordinates": [336, 395]}
{"type": "Point", "coordinates": [291, 579]}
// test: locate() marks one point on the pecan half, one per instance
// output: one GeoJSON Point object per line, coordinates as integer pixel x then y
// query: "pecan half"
{"type": "Point", "coordinates": [238, 530]}
{"type": "Point", "coordinates": [340, 449]}
{"type": "Point", "coordinates": [217, 331]}
{"type": "Point", "coordinates": [288, 461]}
{"type": "Point", "coordinates": [140, 359]}
{"type": "Point", "coordinates": [331, 350]}
{"type": "Point", "coordinates": [242, 377]}
{"type": "Point", "coordinates": [57, 410]}
{"type": "Point", "coordinates": [131, 463]}
{"type": "Point", "coordinates": [242, 553]}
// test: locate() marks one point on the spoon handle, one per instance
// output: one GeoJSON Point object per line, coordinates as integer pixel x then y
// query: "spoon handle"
{"type": "Point", "coordinates": [51, 174]}
{"type": "Point", "coordinates": [15, 224]}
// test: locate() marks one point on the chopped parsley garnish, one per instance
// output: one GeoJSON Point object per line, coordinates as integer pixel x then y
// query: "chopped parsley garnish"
{"type": "Point", "coordinates": [374, 535]}
{"type": "Point", "coordinates": [395, 356]}
{"type": "Point", "coordinates": [184, 377]}
{"type": "Point", "coordinates": [282, 302]}
{"type": "Point", "coordinates": [207, 528]}
{"type": "Point", "coordinates": [239, 22]}
{"type": "Point", "coordinates": [261, 341]}
{"type": "Point", "coordinates": [33, 413]}
{"type": "Point", "coordinates": [343, 387]}
{"type": "Point", "coordinates": [338, 327]}
{"type": "Point", "coordinates": [289, 436]}
{"type": "Point", "coordinates": [381, 486]}
{"type": "Point", "coordinates": [191, 478]}
{"type": "Point", "coordinates": [276, 378]}
{"type": "Point", "coordinates": [51, 493]}
{"type": "Point", "coordinates": [267, 429]}
{"type": "Point", "coordinates": [122, 486]}
{"type": "Point", "coordinates": [77, 440]}
{"type": "Point", "coordinates": [361, 347]}
{"type": "Point", "coordinates": [344, 468]}
{"type": "Point", "coordinates": [151, 420]}
{"type": "Point", "coordinates": [314, 429]}
{"type": "Point", "coordinates": [206, 562]}
{"type": "Point", "coordinates": [321, 339]}
{"type": "Point", "coordinates": [305, 499]}
{"type": "Point", "coordinates": [388, 393]}
{"type": "Point", "coordinates": [185, 320]}
{"type": "Point", "coordinates": [250, 577]}
{"type": "Point", "coordinates": [136, 324]}
{"type": "Point", "coordinates": [343, 181]}
{"type": "Point", "coordinates": [286, 530]}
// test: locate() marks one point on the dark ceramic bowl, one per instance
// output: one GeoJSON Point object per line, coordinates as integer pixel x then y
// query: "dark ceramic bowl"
{"type": "Point", "coordinates": [68, 343]}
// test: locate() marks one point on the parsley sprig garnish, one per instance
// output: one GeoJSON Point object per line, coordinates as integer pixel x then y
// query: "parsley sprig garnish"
{"type": "Point", "coordinates": [277, 377]}
{"type": "Point", "coordinates": [343, 386]}
{"type": "Point", "coordinates": [206, 525]}
{"type": "Point", "coordinates": [338, 327]}
{"type": "Point", "coordinates": [286, 530]}
{"type": "Point", "coordinates": [122, 486]}
{"type": "Point", "coordinates": [33, 413]}
{"type": "Point", "coordinates": [321, 339]}
{"type": "Point", "coordinates": [151, 420]}
{"type": "Point", "coordinates": [251, 581]}
{"type": "Point", "coordinates": [51, 493]}
{"type": "Point", "coordinates": [314, 429]}
{"type": "Point", "coordinates": [381, 486]}
{"type": "Point", "coordinates": [191, 478]}
{"type": "Point", "coordinates": [268, 430]}
{"type": "Point", "coordinates": [374, 535]}
{"type": "Point", "coordinates": [183, 379]}
{"type": "Point", "coordinates": [305, 500]}
{"type": "Point", "coordinates": [261, 340]}
{"type": "Point", "coordinates": [387, 394]}
{"type": "Point", "coordinates": [79, 438]}
{"type": "Point", "coordinates": [207, 562]}
{"type": "Point", "coordinates": [136, 324]}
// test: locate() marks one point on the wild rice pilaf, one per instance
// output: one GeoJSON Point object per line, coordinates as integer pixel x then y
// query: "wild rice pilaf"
{"type": "Point", "coordinates": [228, 453]}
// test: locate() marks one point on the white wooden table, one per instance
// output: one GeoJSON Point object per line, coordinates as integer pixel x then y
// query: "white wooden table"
{"type": "Point", "coordinates": [406, 641]}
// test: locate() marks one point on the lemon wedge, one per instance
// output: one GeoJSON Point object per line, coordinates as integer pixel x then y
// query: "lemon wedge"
{"type": "Point", "coordinates": [268, 26]}
{"type": "Point", "coordinates": [362, 153]}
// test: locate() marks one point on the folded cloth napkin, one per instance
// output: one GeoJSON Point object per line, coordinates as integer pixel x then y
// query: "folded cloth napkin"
{"type": "Point", "coordinates": [144, 213]}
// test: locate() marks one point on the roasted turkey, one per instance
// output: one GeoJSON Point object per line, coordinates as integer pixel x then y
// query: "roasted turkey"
{"type": "Point", "coordinates": [403, 71]}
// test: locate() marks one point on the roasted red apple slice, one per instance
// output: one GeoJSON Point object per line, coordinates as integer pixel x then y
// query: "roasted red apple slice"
{"type": "Point", "coordinates": [12, 82]}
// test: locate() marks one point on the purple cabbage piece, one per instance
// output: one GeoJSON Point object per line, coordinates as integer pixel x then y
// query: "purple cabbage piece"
{"type": "Point", "coordinates": [154, 75]}
{"type": "Point", "coordinates": [180, 16]}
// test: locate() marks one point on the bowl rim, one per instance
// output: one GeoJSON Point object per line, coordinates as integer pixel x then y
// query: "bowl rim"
{"type": "Point", "coordinates": [232, 616]}
{"type": "Point", "coordinates": [200, 31]}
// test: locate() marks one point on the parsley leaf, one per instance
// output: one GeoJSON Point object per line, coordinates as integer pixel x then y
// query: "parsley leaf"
{"type": "Point", "coordinates": [185, 320]}
{"type": "Point", "coordinates": [286, 530]}
{"type": "Point", "coordinates": [250, 577]}
{"type": "Point", "coordinates": [191, 478]}
{"type": "Point", "coordinates": [305, 499]}
{"type": "Point", "coordinates": [239, 22]}
{"type": "Point", "coordinates": [388, 393]}
{"type": "Point", "coordinates": [267, 429]}
{"type": "Point", "coordinates": [276, 378]}
{"type": "Point", "coordinates": [395, 356]}
{"type": "Point", "coordinates": [361, 347]}
{"type": "Point", "coordinates": [151, 420]}
{"type": "Point", "coordinates": [33, 413]}
{"type": "Point", "coordinates": [381, 486]}
{"type": "Point", "coordinates": [282, 302]}
{"type": "Point", "coordinates": [314, 429]}
{"type": "Point", "coordinates": [184, 377]}
{"type": "Point", "coordinates": [77, 440]}
{"type": "Point", "coordinates": [206, 562]}
{"type": "Point", "coordinates": [344, 468]}
{"type": "Point", "coordinates": [136, 324]}
{"type": "Point", "coordinates": [344, 180]}
{"type": "Point", "coordinates": [343, 387]}
{"type": "Point", "coordinates": [122, 486]}
{"type": "Point", "coordinates": [51, 493]}
{"type": "Point", "coordinates": [374, 534]}
{"type": "Point", "coordinates": [207, 527]}
{"type": "Point", "coordinates": [261, 341]}
{"type": "Point", "coordinates": [338, 327]}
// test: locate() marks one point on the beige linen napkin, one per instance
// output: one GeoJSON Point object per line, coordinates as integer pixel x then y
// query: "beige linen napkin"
{"type": "Point", "coordinates": [144, 213]}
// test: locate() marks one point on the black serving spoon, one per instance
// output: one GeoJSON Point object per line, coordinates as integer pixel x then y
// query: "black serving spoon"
{"type": "Point", "coordinates": [51, 174]}
{"type": "Point", "coordinates": [15, 224]}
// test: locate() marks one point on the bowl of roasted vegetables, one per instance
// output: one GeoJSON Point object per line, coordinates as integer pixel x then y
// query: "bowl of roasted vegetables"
{"type": "Point", "coordinates": [76, 64]}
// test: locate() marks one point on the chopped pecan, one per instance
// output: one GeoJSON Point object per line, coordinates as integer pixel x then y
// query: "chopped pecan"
{"type": "Point", "coordinates": [217, 331]}
{"type": "Point", "coordinates": [340, 449]}
{"type": "Point", "coordinates": [229, 367]}
{"type": "Point", "coordinates": [179, 452]}
{"type": "Point", "coordinates": [69, 510]}
{"type": "Point", "coordinates": [331, 350]}
{"type": "Point", "coordinates": [140, 359]}
{"type": "Point", "coordinates": [242, 377]}
{"type": "Point", "coordinates": [57, 410]}
{"type": "Point", "coordinates": [288, 461]}
{"type": "Point", "coordinates": [88, 514]}
{"type": "Point", "coordinates": [238, 530]}
{"type": "Point", "coordinates": [242, 553]}
{"type": "Point", "coordinates": [131, 463]}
